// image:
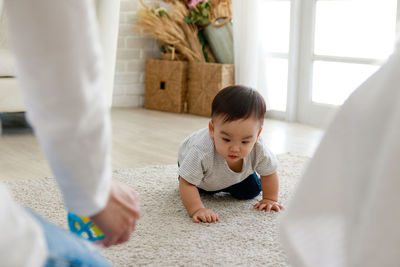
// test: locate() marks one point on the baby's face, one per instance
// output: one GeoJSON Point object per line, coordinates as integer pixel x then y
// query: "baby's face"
{"type": "Point", "coordinates": [235, 139]}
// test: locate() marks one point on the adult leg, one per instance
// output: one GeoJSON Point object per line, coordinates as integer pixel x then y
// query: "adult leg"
{"type": "Point", "coordinates": [60, 71]}
{"type": "Point", "coordinates": [67, 249]}
{"type": "Point", "coordinates": [59, 67]}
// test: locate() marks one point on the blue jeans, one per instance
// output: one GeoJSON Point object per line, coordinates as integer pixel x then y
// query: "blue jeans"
{"type": "Point", "coordinates": [67, 249]}
{"type": "Point", "coordinates": [249, 188]}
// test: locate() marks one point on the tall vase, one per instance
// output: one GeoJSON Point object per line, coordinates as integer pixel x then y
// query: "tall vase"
{"type": "Point", "coordinates": [220, 39]}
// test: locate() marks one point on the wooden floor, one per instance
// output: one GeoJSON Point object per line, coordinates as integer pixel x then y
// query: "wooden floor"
{"type": "Point", "coordinates": [144, 137]}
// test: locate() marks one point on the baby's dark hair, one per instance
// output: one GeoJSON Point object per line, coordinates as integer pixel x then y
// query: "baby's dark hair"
{"type": "Point", "coordinates": [238, 102]}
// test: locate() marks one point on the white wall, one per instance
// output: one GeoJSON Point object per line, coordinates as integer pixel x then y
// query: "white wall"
{"type": "Point", "coordinates": [133, 49]}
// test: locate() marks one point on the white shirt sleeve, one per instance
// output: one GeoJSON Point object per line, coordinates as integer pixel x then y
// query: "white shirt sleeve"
{"type": "Point", "coordinates": [22, 242]}
{"type": "Point", "coordinates": [265, 161]}
{"type": "Point", "coordinates": [345, 211]}
{"type": "Point", "coordinates": [59, 67]}
{"type": "Point", "coordinates": [191, 167]}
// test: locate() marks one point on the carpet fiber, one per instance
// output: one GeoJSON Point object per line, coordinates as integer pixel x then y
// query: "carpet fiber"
{"type": "Point", "coordinates": [165, 234]}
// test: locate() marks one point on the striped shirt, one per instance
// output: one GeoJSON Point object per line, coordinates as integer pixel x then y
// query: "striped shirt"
{"type": "Point", "coordinates": [202, 166]}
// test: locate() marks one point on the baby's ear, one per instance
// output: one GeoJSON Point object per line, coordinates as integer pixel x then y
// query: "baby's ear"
{"type": "Point", "coordinates": [211, 128]}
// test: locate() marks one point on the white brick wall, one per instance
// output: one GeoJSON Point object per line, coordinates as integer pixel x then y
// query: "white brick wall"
{"type": "Point", "coordinates": [133, 49]}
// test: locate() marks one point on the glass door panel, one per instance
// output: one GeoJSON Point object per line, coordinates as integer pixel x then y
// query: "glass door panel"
{"type": "Point", "coordinates": [276, 83]}
{"type": "Point", "coordinates": [333, 82]}
{"type": "Point", "coordinates": [355, 28]}
{"type": "Point", "coordinates": [275, 26]}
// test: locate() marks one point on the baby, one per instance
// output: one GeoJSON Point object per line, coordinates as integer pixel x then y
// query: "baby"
{"type": "Point", "coordinates": [228, 155]}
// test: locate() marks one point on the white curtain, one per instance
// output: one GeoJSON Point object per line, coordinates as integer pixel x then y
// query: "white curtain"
{"type": "Point", "coordinates": [246, 42]}
{"type": "Point", "coordinates": [250, 69]}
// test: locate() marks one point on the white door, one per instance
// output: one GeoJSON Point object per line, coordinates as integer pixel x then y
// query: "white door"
{"type": "Point", "coordinates": [343, 43]}
{"type": "Point", "coordinates": [317, 52]}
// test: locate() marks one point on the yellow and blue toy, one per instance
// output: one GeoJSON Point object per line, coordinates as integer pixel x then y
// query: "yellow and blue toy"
{"type": "Point", "coordinates": [84, 227]}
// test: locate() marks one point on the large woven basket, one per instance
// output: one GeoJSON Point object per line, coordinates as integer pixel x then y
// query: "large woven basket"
{"type": "Point", "coordinates": [166, 85]}
{"type": "Point", "coordinates": [205, 81]}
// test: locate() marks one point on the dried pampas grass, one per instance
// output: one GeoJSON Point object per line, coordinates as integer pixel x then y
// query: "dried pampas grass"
{"type": "Point", "coordinates": [171, 29]}
{"type": "Point", "coordinates": [179, 11]}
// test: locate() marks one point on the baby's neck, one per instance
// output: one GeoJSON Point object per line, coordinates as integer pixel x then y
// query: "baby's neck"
{"type": "Point", "coordinates": [236, 166]}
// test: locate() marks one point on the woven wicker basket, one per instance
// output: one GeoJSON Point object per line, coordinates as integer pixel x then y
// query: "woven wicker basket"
{"type": "Point", "coordinates": [205, 81]}
{"type": "Point", "coordinates": [166, 85]}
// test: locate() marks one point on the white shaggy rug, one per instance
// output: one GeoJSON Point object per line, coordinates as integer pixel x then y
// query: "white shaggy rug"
{"type": "Point", "coordinates": [166, 236]}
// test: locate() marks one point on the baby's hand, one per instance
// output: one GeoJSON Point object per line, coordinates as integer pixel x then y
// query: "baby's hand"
{"type": "Point", "coordinates": [204, 215]}
{"type": "Point", "coordinates": [268, 205]}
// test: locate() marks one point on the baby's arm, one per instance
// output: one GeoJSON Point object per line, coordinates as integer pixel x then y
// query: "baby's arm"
{"type": "Point", "coordinates": [191, 200]}
{"type": "Point", "coordinates": [270, 187]}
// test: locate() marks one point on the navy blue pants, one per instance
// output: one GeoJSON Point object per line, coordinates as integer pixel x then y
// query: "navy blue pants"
{"type": "Point", "coordinates": [247, 189]}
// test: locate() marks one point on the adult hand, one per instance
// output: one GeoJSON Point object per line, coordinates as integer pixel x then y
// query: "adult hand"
{"type": "Point", "coordinates": [118, 219]}
{"type": "Point", "coordinates": [205, 215]}
{"type": "Point", "coordinates": [268, 205]}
